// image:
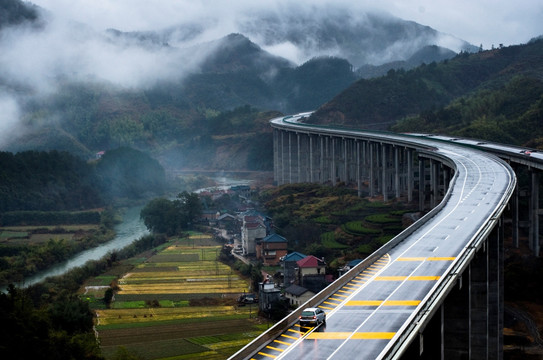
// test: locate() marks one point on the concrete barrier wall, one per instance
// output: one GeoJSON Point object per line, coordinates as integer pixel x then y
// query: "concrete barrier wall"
{"type": "Point", "coordinates": [292, 318]}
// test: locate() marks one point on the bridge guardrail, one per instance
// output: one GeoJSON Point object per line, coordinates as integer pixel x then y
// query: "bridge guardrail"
{"type": "Point", "coordinates": [429, 304]}
{"type": "Point", "coordinates": [291, 319]}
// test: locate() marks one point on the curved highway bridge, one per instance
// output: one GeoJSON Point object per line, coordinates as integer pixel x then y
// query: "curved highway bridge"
{"type": "Point", "coordinates": [433, 292]}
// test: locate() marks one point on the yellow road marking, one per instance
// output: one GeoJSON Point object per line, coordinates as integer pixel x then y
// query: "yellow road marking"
{"type": "Point", "coordinates": [282, 342]}
{"type": "Point", "coordinates": [295, 331]}
{"type": "Point", "coordinates": [329, 303]}
{"type": "Point", "coordinates": [364, 276]}
{"type": "Point", "coordinates": [290, 337]}
{"type": "Point", "coordinates": [334, 299]}
{"type": "Point", "coordinates": [411, 259]}
{"type": "Point", "coordinates": [346, 335]}
{"type": "Point", "coordinates": [348, 292]}
{"type": "Point", "coordinates": [402, 303]}
{"type": "Point", "coordinates": [424, 258]}
{"type": "Point", "coordinates": [326, 307]}
{"type": "Point", "coordinates": [364, 303]}
{"type": "Point", "coordinates": [268, 355]}
{"type": "Point", "coordinates": [384, 303]}
{"type": "Point", "coordinates": [340, 295]}
{"type": "Point", "coordinates": [402, 278]}
{"type": "Point", "coordinates": [274, 348]}
{"type": "Point", "coordinates": [424, 278]}
{"type": "Point", "coordinates": [373, 335]}
{"type": "Point", "coordinates": [390, 278]}
{"type": "Point", "coordinates": [349, 287]}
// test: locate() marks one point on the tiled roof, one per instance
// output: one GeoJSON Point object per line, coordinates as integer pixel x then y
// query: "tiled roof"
{"type": "Point", "coordinates": [294, 256]}
{"type": "Point", "coordinates": [274, 238]}
{"type": "Point", "coordinates": [310, 262]}
{"type": "Point", "coordinates": [296, 290]}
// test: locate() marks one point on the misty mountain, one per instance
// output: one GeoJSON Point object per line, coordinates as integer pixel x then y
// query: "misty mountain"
{"type": "Point", "coordinates": [426, 55]}
{"type": "Point", "coordinates": [184, 88]}
{"type": "Point", "coordinates": [300, 33]}
{"type": "Point", "coordinates": [15, 12]}
{"type": "Point", "coordinates": [495, 95]}
{"type": "Point", "coordinates": [236, 53]}
{"type": "Point", "coordinates": [361, 38]}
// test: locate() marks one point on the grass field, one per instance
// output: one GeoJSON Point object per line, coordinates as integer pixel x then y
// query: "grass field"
{"type": "Point", "coordinates": [197, 317]}
{"type": "Point", "coordinates": [31, 235]}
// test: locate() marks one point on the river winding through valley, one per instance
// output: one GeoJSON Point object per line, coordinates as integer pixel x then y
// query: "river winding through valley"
{"type": "Point", "coordinates": [131, 228]}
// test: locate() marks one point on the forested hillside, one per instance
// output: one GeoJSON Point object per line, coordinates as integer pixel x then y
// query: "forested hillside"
{"type": "Point", "coordinates": [190, 101]}
{"type": "Point", "coordinates": [495, 95]}
{"type": "Point", "coordinates": [59, 181]}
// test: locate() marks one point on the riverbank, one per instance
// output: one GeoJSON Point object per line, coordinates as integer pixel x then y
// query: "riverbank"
{"type": "Point", "coordinates": [62, 241]}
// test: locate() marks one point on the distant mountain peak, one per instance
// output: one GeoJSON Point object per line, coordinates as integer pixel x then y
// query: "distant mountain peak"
{"type": "Point", "coordinates": [360, 37]}
{"type": "Point", "coordinates": [235, 52]}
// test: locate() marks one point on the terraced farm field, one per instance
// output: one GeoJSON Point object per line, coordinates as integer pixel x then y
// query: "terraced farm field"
{"type": "Point", "coordinates": [179, 304]}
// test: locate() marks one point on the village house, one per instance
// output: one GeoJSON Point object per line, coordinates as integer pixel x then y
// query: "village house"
{"type": "Point", "coordinates": [252, 230]}
{"type": "Point", "coordinates": [290, 267]}
{"type": "Point", "coordinates": [310, 265]}
{"type": "Point", "coordinates": [267, 295]}
{"type": "Point", "coordinates": [227, 221]}
{"type": "Point", "coordinates": [210, 215]}
{"type": "Point", "coordinates": [311, 273]}
{"type": "Point", "coordinates": [271, 249]}
{"type": "Point", "coordinates": [297, 295]}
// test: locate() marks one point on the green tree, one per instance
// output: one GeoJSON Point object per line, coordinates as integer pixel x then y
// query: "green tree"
{"type": "Point", "coordinates": [130, 173]}
{"type": "Point", "coordinates": [161, 216]}
{"type": "Point", "coordinates": [108, 297]}
{"type": "Point", "coordinates": [189, 207]}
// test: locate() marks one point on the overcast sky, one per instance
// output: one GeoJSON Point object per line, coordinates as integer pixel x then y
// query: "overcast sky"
{"type": "Point", "coordinates": [487, 22]}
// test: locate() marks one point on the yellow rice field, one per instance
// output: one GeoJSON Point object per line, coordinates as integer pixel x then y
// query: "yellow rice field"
{"type": "Point", "coordinates": [202, 275]}
{"type": "Point", "coordinates": [123, 316]}
{"type": "Point", "coordinates": [182, 268]}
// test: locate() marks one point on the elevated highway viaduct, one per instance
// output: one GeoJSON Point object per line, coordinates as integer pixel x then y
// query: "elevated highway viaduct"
{"type": "Point", "coordinates": [435, 291]}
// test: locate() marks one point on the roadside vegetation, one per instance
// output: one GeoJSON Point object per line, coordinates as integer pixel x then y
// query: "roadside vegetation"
{"type": "Point", "coordinates": [333, 222]}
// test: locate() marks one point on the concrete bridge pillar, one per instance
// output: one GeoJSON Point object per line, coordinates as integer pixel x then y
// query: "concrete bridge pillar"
{"type": "Point", "coordinates": [372, 169]}
{"type": "Point", "coordinates": [434, 182]}
{"type": "Point", "coordinates": [321, 160]}
{"type": "Point", "coordinates": [283, 159]}
{"type": "Point", "coordinates": [495, 291]}
{"type": "Point", "coordinates": [276, 164]}
{"type": "Point", "coordinates": [457, 339]}
{"type": "Point", "coordinates": [422, 183]}
{"type": "Point", "coordinates": [479, 300]}
{"type": "Point", "coordinates": [515, 217]}
{"type": "Point", "coordinates": [333, 169]}
{"type": "Point", "coordinates": [290, 158]}
{"type": "Point", "coordinates": [298, 159]}
{"type": "Point", "coordinates": [311, 160]}
{"type": "Point", "coordinates": [396, 172]}
{"type": "Point", "coordinates": [345, 171]}
{"type": "Point", "coordinates": [410, 176]}
{"type": "Point", "coordinates": [534, 212]}
{"type": "Point", "coordinates": [358, 169]}
{"type": "Point", "coordinates": [384, 180]}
